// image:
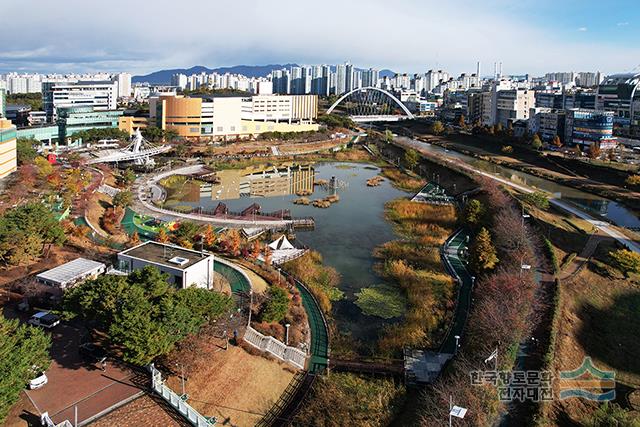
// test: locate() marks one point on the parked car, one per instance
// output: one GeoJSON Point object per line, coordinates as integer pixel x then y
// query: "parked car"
{"type": "Point", "coordinates": [39, 381]}
{"type": "Point", "coordinates": [44, 319]}
{"type": "Point", "coordinates": [92, 352]}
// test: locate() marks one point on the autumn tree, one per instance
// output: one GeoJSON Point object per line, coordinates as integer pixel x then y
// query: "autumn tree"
{"type": "Point", "coordinates": [162, 236]}
{"type": "Point", "coordinates": [411, 158]}
{"type": "Point", "coordinates": [209, 236]}
{"type": "Point", "coordinates": [437, 128]}
{"type": "Point", "coordinates": [126, 178]}
{"type": "Point", "coordinates": [626, 261]}
{"type": "Point", "coordinates": [557, 141]}
{"type": "Point", "coordinates": [461, 121]}
{"type": "Point", "coordinates": [473, 212]}
{"type": "Point", "coordinates": [483, 253]}
{"type": "Point", "coordinates": [233, 241]}
{"type": "Point", "coordinates": [536, 143]}
{"type": "Point", "coordinates": [633, 180]}
{"type": "Point", "coordinates": [43, 166]}
{"type": "Point", "coordinates": [388, 136]}
{"type": "Point", "coordinates": [134, 239]}
{"type": "Point", "coordinates": [186, 234]}
{"type": "Point", "coordinates": [123, 199]}
{"type": "Point", "coordinates": [594, 151]}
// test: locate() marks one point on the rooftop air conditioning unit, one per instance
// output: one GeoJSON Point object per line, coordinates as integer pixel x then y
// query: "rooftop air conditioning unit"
{"type": "Point", "coordinates": [178, 260]}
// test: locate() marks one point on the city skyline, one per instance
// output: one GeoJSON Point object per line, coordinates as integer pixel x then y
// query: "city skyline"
{"type": "Point", "coordinates": [528, 37]}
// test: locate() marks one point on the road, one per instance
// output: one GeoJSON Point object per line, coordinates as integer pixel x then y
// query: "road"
{"type": "Point", "coordinates": [602, 226]}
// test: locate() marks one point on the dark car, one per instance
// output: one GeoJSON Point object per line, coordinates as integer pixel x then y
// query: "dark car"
{"type": "Point", "coordinates": [92, 353]}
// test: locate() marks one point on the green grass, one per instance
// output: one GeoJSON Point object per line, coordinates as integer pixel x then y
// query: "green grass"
{"type": "Point", "coordinates": [382, 300]}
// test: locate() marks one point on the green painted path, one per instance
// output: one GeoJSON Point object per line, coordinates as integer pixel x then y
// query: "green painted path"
{"type": "Point", "coordinates": [319, 331]}
{"type": "Point", "coordinates": [452, 253]}
{"type": "Point", "coordinates": [237, 281]}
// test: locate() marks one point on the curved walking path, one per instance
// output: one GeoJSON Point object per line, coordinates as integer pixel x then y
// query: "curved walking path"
{"type": "Point", "coordinates": [581, 259]}
{"type": "Point", "coordinates": [141, 205]}
{"type": "Point", "coordinates": [452, 253]}
{"type": "Point", "coordinates": [603, 226]}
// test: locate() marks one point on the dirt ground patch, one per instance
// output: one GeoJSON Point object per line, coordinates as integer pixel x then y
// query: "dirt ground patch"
{"type": "Point", "coordinates": [235, 386]}
{"type": "Point", "coordinates": [258, 284]}
{"type": "Point", "coordinates": [599, 318]}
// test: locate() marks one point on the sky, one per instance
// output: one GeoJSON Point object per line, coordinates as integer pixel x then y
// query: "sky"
{"type": "Point", "coordinates": [527, 36]}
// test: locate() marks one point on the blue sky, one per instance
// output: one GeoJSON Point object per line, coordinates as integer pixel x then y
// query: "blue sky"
{"type": "Point", "coordinates": [403, 35]}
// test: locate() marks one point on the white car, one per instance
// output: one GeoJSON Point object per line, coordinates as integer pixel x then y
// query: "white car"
{"type": "Point", "coordinates": [39, 381]}
{"type": "Point", "coordinates": [44, 319]}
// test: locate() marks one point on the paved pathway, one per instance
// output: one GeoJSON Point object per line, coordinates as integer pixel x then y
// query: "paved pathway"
{"type": "Point", "coordinates": [603, 226]}
{"type": "Point", "coordinates": [581, 259]}
{"type": "Point", "coordinates": [143, 206]}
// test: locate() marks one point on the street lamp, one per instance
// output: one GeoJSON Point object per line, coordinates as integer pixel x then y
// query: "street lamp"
{"type": "Point", "coordinates": [286, 337]}
{"type": "Point", "coordinates": [457, 337]}
{"type": "Point", "coordinates": [279, 275]}
{"type": "Point", "coordinates": [182, 377]}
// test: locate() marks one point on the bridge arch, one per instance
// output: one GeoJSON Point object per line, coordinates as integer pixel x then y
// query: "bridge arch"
{"type": "Point", "coordinates": [383, 91]}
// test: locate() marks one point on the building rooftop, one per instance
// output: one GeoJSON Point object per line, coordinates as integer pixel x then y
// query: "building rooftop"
{"type": "Point", "coordinates": [70, 271]}
{"type": "Point", "coordinates": [165, 254]}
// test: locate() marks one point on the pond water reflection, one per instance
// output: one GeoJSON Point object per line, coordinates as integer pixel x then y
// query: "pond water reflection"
{"type": "Point", "coordinates": [346, 233]}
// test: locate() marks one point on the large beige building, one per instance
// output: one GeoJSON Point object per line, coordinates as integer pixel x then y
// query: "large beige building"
{"type": "Point", "coordinates": [231, 117]}
{"type": "Point", "coordinates": [8, 153]}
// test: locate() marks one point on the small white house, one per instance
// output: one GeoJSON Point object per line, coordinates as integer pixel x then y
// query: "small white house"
{"type": "Point", "coordinates": [71, 273]}
{"type": "Point", "coordinates": [185, 267]}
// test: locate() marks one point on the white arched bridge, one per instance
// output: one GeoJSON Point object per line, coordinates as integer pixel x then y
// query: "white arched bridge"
{"type": "Point", "coordinates": [371, 104]}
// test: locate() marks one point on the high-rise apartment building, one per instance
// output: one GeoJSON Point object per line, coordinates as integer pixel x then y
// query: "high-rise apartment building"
{"type": "Point", "coordinates": [433, 79]}
{"type": "Point", "coordinates": [124, 84]}
{"type": "Point", "coordinates": [341, 79]}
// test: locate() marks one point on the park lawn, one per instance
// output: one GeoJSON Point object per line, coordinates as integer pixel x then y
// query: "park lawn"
{"type": "Point", "coordinates": [599, 317]}
{"type": "Point", "coordinates": [235, 386]}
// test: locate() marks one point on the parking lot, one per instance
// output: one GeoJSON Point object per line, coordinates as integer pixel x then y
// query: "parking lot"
{"type": "Point", "coordinates": [79, 386]}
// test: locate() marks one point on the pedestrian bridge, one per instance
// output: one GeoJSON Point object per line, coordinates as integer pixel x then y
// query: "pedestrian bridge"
{"type": "Point", "coordinates": [371, 104]}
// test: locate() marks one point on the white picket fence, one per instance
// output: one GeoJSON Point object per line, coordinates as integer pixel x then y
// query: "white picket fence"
{"type": "Point", "coordinates": [291, 355]}
{"type": "Point", "coordinates": [193, 416]}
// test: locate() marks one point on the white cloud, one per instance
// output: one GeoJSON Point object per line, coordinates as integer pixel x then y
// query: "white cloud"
{"type": "Point", "coordinates": [622, 24]}
{"type": "Point", "coordinates": [406, 35]}
{"type": "Point", "coordinates": [583, 29]}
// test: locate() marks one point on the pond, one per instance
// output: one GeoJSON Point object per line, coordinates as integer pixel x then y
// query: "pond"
{"type": "Point", "coordinates": [346, 233]}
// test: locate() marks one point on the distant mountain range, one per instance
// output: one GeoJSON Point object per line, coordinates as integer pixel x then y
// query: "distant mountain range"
{"type": "Point", "coordinates": [164, 76]}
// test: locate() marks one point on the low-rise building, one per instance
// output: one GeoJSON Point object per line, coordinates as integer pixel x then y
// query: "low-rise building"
{"type": "Point", "coordinates": [101, 95]}
{"type": "Point", "coordinates": [8, 153]}
{"type": "Point", "coordinates": [547, 123]}
{"type": "Point", "coordinates": [71, 273]}
{"type": "Point", "coordinates": [70, 121]}
{"type": "Point", "coordinates": [589, 127]}
{"type": "Point", "coordinates": [233, 117]}
{"type": "Point", "coordinates": [511, 105]}
{"type": "Point", "coordinates": [185, 267]}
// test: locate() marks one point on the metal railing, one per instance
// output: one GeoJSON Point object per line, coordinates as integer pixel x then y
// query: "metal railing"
{"type": "Point", "coordinates": [178, 402]}
{"type": "Point", "coordinates": [289, 354]}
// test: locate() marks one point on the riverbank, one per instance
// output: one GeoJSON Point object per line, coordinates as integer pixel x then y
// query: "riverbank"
{"type": "Point", "coordinates": [568, 172]}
